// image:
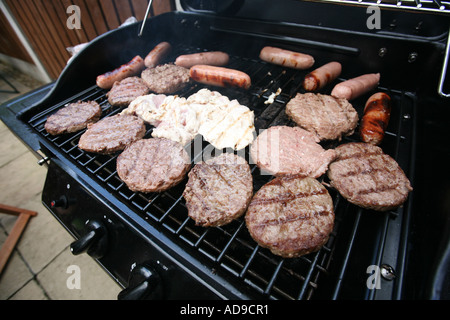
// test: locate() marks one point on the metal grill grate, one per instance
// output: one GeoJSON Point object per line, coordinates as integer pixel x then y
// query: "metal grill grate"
{"type": "Point", "coordinates": [230, 248]}
{"type": "Point", "coordinates": [434, 6]}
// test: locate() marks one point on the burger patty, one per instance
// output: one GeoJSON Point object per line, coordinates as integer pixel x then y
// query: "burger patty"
{"type": "Point", "coordinates": [218, 190]}
{"type": "Point", "coordinates": [112, 134]}
{"type": "Point", "coordinates": [283, 150]}
{"type": "Point", "coordinates": [166, 78]}
{"type": "Point", "coordinates": [328, 117]}
{"type": "Point", "coordinates": [153, 165]}
{"type": "Point", "coordinates": [73, 117]}
{"type": "Point", "coordinates": [369, 178]}
{"type": "Point", "coordinates": [126, 90]}
{"type": "Point", "coordinates": [291, 216]}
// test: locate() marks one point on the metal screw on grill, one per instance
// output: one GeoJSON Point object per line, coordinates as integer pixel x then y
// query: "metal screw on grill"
{"type": "Point", "coordinates": [382, 52]}
{"type": "Point", "coordinates": [393, 24]}
{"type": "Point", "coordinates": [387, 272]}
{"type": "Point", "coordinates": [43, 161]}
{"type": "Point", "coordinates": [412, 57]}
{"type": "Point", "coordinates": [418, 28]}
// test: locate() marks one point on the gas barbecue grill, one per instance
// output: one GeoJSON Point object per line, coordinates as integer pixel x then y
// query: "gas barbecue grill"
{"type": "Point", "coordinates": [147, 242]}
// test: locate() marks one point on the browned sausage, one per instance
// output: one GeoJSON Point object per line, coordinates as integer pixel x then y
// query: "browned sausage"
{"type": "Point", "coordinates": [355, 87]}
{"type": "Point", "coordinates": [157, 54]}
{"type": "Point", "coordinates": [129, 69]}
{"type": "Point", "coordinates": [376, 118]}
{"type": "Point", "coordinates": [286, 58]}
{"type": "Point", "coordinates": [212, 58]}
{"type": "Point", "coordinates": [220, 76]}
{"type": "Point", "coordinates": [319, 78]}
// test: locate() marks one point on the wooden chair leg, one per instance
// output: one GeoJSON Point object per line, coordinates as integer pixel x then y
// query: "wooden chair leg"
{"type": "Point", "coordinates": [13, 237]}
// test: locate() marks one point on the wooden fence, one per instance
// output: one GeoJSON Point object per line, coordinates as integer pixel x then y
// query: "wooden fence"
{"type": "Point", "coordinates": [45, 23]}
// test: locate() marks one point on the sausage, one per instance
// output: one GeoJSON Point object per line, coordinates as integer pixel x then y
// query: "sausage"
{"type": "Point", "coordinates": [376, 118]}
{"type": "Point", "coordinates": [212, 58]}
{"type": "Point", "coordinates": [220, 76]}
{"type": "Point", "coordinates": [157, 54]}
{"type": "Point", "coordinates": [106, 80]}
{"type": "Point", "coordinates": [355, 87]}
{"type": "Point", "coordinates": [286, 58]}
{"type": "Point", "coordinates": [322, 76]}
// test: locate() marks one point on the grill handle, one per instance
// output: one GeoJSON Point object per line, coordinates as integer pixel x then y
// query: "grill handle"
{"type": "Point", "coordinates": [144, 283]}
{"type": "Point", "coordinates": [94, 241]}
{"type": "Point", "coordinates": [444, 69]}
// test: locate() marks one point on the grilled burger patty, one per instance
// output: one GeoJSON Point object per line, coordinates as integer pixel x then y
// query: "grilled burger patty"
{"type": "Point", "coordinates": [73, 117]}
{"type": "Point", "coordinates": [126, 90]}
{"type": "Point", "coordinates": [166, 78]}
{"type": "Point", "coordinates": [153, 165]}
{"type": "Point", "coordinates": [283, 150]}
{"type": "Point", "coordinates": [367, 177]}
{"type": "Point", "coordinates": [328, 117]}
{"type": "Point", "coordinates": [112, 134]}
{"type": "Point", "coordinates": [218, 190]}
{"type": "Point", "coordinates": [291, 216]}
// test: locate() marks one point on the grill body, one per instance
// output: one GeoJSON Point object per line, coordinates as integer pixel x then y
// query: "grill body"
{"type": "Point", "coordinates": [153, 230]}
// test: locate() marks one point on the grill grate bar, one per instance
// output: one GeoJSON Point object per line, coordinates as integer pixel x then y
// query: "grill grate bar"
{"type": "Point", "coordinates": [232, 238]}
{"type": "Point", "coordinates": [168, 211]}
{"type": "Point", "coordinates": [182, 226]}
{"type": "Point", "coordinates": [103, 165]}
{"type": "Point", "coordinates": [201, 238]}
{"type": "Point", "coordinates": [380, 246]}
{"type": "Point", "coordinates": [308, 276]}
{"type": "Point", "coordinates": [345, 261]}
{"type": "Point", "coordinates": [274, 277]}
{"type": "Point", "coordinates": [249, 261]}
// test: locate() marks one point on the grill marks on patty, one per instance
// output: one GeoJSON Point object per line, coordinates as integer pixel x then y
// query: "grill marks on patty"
{"type": "Point", "coordinates": [73, 117]}
{"type": "Point", "coordinates": [167, 78]}
{"type": "Point", "coordinates": [218, 190]}
{"type": "Point", "coordinates": [112, 134]}
{"type": "Point", "coordinates": [288, 196]}
{"type": "Point", "coordinates": [369, 178]}
{"type": "Point", "coordinates": [153, 165]}
{"type": "Point", "coordinates": [328, 117]}
{"type": "Point", "coordinates": [291, 216]}
{"type": "Point", "coordinates": [125, 91]}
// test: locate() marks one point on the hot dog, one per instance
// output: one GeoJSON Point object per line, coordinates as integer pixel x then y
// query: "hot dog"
{"type": "Point", "coordinates": [323, 75]}
{"type": "Point", "coordinates": [157, 54]}
{"type": "Point", "coordinates": [220, 76]}
{"type": "Point", "coordinates": [286, 58]}
{"type": "Point", "coordinates": [355, 87]}
{"type": "Point", "coordinates": [212, 58]}
{"type": "Point", "coordinates": [106, 80]}
{"type": "Point", "coordinates": [376, 118]}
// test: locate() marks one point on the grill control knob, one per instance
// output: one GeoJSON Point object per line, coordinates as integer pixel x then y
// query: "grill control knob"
{"type": "Point", "coordinates": [94, 241]}
{"type": "Point", "coordinates": [60, 203]}
{"type": "Point", "coordinates": [144, 283]}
